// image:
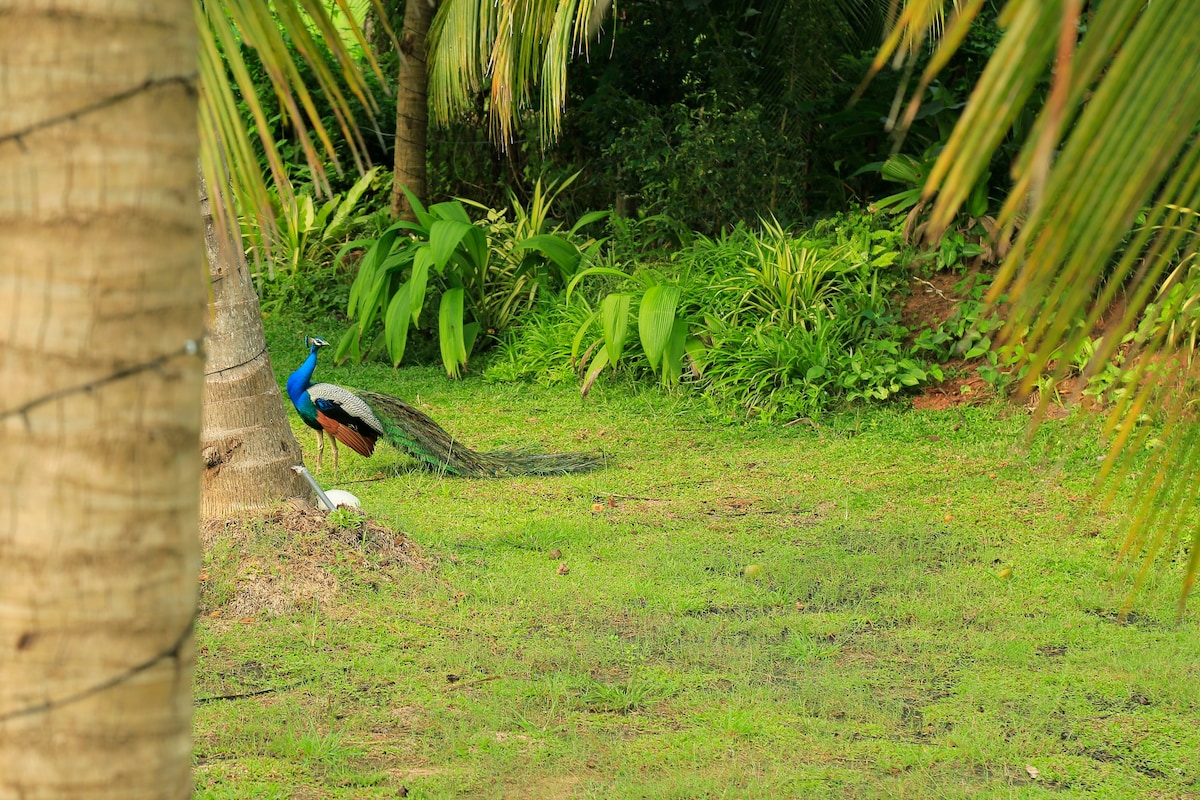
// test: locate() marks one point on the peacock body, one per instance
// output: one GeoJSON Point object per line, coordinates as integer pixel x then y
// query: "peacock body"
{"type": "Point", "coordinates": [359, 418]}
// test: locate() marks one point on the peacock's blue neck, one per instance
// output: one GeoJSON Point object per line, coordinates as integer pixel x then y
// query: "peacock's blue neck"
{"type": "Point", "coordinates": [297, 389]}
{"type": "Point", "coordinates": [299, 381]}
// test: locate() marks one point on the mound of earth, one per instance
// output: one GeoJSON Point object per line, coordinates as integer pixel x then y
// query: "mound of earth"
{"type": "Point", "coordinates": [293, 557]}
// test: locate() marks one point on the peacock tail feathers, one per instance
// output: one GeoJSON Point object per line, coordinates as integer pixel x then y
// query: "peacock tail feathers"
{"type": "Point", "coordinates": [415, 432]}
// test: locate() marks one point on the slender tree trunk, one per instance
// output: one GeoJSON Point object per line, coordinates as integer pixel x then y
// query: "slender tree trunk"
{"type": "Point", "coordinates": [246, 441]}
{"type": "Point", "coordinates": [101, 313]}
{"type": "Point", "coordinates": [412, 108]}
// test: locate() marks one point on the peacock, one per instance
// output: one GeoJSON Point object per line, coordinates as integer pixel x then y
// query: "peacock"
{"type": "Point", "coordinates": [359, 418]}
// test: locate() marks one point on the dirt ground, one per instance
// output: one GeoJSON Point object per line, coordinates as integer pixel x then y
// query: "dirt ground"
{"type": "Point", "coordinates": [931, 302]}
{"type": "Point", "coordinates": [311, 544]}
{"type": "Point", "coordinates": [934, 300]}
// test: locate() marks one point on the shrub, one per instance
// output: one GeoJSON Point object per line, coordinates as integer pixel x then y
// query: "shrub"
{"type": "Point", "coordinates": [774, 322]}
{"type": "Point", "coordinates": [708, 163]}
{"type": "Point", "coordinates": [488, 272]}
{"type": "Point", "coordinates": [295, 258]}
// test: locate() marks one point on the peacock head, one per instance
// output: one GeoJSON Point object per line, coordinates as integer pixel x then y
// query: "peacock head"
{"type": "Point", "coordinates": [313, 342]}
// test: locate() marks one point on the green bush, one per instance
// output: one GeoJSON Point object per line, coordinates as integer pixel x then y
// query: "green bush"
{"type": "Point", "coordinates": [295, 257]}
{"type": "Point", "coordinates": [773, 322]}
{"type": "Point", "coordinates": [488, 273]}
{"type": "Point", "coordinates": [709, 163]}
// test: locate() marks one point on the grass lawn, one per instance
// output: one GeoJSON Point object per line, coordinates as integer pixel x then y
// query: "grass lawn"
{"type": "Point", "coordinates": [934, 615]}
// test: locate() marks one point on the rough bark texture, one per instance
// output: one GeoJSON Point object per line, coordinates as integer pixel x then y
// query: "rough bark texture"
{"type": "Point", "coordinates": [412, 108]}
{"type": "Point", "coordinates": [101, 312]}
{"type": "Point", "coordinates": [246, 444]}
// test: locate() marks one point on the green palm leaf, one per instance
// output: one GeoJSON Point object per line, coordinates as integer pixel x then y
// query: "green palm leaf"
{"type": "Point", "coordinates": [1114, 140]}
{"type": "Point", "coordinates": [510, 48]}
{"type": "Point", "coordinates": [227, 155]}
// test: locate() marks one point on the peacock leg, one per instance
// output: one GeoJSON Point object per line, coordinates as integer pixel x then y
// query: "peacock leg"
{"type": "Point", "coordinates": [333, 441]}
{"type": "Point", "coordinates": [320, 448]}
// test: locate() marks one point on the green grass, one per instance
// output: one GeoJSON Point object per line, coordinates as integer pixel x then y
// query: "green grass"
{"type": "Point", "coordinates": [878, 654]}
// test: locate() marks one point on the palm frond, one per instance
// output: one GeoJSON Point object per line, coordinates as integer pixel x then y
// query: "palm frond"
{"type": "Point", "coordinates": [911, 26]}
{"type": "Point", "coordinates": [1105, 183]}
{"type": "Point", "coordinates": [228, 158]}
{"type": "Point", "coordinates": [511, 47]}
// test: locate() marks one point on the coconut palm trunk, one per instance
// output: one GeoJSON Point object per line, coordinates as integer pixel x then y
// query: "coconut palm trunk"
{"type": "Point", "coordinates": [246, 443]}
{"type": "Point", "coordinates": [102, 303]}
{"type": "Point", "coordinates": [412, 108]}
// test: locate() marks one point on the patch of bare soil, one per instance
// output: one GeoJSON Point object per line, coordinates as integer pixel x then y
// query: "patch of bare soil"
{"type": "Point", "coordinates": [962, 388]}
{"type": "Point", "coordinates": [931, 302]}
{"type": "Point", "coordinates": [934, 300]}
{"type": "Point", "coordinates": [284, 561]}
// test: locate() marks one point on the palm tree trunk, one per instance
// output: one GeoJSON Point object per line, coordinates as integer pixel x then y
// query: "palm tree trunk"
{"type": "Point", "coordinates": [412, 108]}
{"type": "Point", "coordinates": [101, 313]}
{"type": "Point", "coordinates": [246, 441]}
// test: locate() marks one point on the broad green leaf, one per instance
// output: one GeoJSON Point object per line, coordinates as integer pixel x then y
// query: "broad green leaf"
{"type": "Point", "coordinates": [593, 271]}
{"type": "Point", "coordinates": [305, 216]}
{"type": "Point", "coordinates": [594, 369]}
{"type": "Point", "coordinates": [450, 332]}
{"type": "Point", "coordinates": [395, 324]}
{"type": "Point", "coordinates": [901, 168]}
{"type": "Point", "coordinates": [588, 219]}
{"type": "Point", "coordinates": [470, 334]}
{"type": "Point", "coordinates": [565, 255]}
{"type": "Point", "coordinates": [348, 345]}
{"type": "Point", "coordinates": [656, 318]}
{"type": "Point", "coordinates": [366, 283]}
{"type": "Point", "coordinates": [673, 353]}
{"type": "Point", "coordinates": [445, 235]}
{"type": "Point", "coordinates": [450, 210]}
{"type": "Point", "coordinates": [376, 297]}
{"type": "Point", "coordinates": [318, 224]}
{"type": "Point", "coordinates": [420, 280]}
{"type": "Point", "coordinates": [424, 219]}
{"type": "Point", "coordinates": [408, 225]}
{"type": "Point", "coordinates": [615, 312]}
{"type": "Point", "coordinates": [900, 200]}
{"type": "Point", "coordinates": [475, 245]}
{"type": "Point", "coordinates": [348, 203]}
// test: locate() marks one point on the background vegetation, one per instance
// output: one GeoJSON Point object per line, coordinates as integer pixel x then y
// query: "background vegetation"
{"type": "Point", "coordinates": [738, 182]}
{"type": "Point", "coordinates": [839, 598]}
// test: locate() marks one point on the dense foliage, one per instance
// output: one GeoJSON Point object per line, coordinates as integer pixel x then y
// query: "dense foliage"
{"type": "Point", "coordinates": [709, 112]}
{"type": "Point", "coordinates": [487, 273]}
{"type": "Point", "coordinates": [726, 146]}
{"type": "Point", "coordinates": [775, 322]}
